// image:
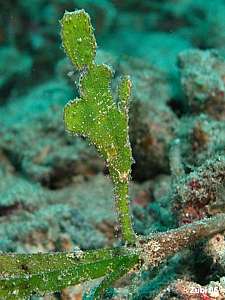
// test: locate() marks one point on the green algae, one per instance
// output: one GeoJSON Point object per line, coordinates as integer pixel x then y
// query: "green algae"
{"type": "Point", "coordinates": [95, 115]}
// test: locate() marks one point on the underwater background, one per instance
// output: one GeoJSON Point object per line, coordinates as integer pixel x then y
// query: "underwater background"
{"type": "Point", "coordinates": [55, 193]}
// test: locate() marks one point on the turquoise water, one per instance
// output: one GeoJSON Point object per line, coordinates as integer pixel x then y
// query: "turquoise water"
{"type": "Point", "coordinates": [55, 193]}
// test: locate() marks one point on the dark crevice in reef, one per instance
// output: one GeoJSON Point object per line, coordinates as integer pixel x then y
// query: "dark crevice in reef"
{"type": "Point", "coordinates": [177, 106]}
{"type": "Point", "coordinates": [202, 266]}
{"type": "Point", "coordinates": [62, 174]}
{"type": "Point", "coordinates": [9, 210]}
{"type": "Point", "coordinates": [13, 159]}
{"type": "Point", "coordinates": [60, 177]}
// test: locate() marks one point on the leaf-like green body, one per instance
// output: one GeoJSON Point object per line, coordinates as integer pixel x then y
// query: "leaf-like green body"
{"type": "Point", "coordinates": [78, 38]}
{"type": "Point", "coordinates": [95, 114]}
{"type": "Point", "coordinates": [96, 117]}
{"type": "Point", "coordinates": [23, 275]}
{"type": "Point", "coordinates": [109, 279]}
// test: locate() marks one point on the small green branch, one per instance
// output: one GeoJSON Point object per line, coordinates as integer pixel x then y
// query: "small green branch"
{"type": "Point", "coordinates": [108, 280]}
{"type": "Point", "coordinates": [124, 214]}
